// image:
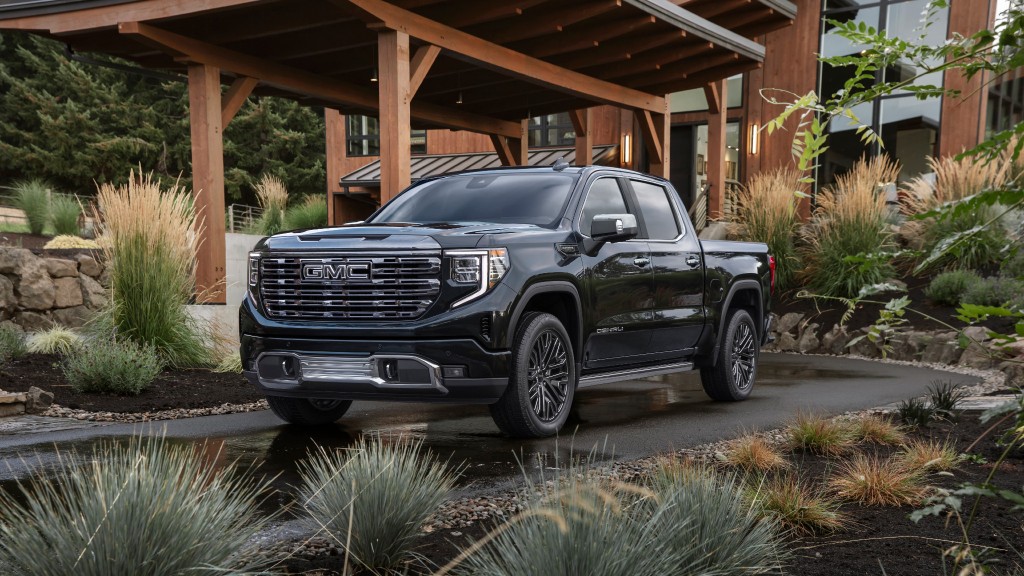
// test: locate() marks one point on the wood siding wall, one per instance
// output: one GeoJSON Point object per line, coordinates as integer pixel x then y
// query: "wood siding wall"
{"type": "Point", "coordinates": [963, 119]}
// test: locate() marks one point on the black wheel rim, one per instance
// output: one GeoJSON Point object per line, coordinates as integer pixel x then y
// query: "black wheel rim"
{"type": "Point", "coordinates": [744, 356]}
{"type": "Point", "coordinates": [325, 405]}
{"type": "Point", "coordinates": [548, 376]}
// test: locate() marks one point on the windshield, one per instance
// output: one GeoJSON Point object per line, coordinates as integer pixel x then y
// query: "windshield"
{"type": "Point", "coordinates": [500, 198]}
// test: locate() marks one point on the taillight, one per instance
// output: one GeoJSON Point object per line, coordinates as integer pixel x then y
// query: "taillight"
{"type": "Point", "coordinates": [771, 269]}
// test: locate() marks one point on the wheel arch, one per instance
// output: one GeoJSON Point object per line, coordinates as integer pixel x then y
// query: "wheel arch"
{"type": "Point", "coordinates": [561, 299]}
{"type": "Point", "coordinates": [744, 294]}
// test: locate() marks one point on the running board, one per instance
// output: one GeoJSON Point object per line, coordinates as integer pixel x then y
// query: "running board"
{"type": "Point", "coordinates": [633, 374]}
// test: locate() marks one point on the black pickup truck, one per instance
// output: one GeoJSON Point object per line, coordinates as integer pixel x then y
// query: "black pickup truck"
{"type": "Point", "coordinates": [510, 287]}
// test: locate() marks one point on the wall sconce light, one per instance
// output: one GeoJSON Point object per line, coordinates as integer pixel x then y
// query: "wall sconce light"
{"type": "Point", "coordinates": [626, 154]}
{"type": "Point", "coordinates": [373, 75]}
{"type": "Point", "coordinates": [755, 138]}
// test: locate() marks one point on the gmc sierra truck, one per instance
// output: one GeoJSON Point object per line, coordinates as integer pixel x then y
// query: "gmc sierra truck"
{"type": "Point", "coordinates": [509, 287]}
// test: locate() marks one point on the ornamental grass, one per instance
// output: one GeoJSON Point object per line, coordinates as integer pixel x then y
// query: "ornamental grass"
{"type": "Point", "coordinates": [768, 210]}
{"type": "Point", "coordinates": [272, 196]}
{"type": "Point", "coordinates": [876, 481]}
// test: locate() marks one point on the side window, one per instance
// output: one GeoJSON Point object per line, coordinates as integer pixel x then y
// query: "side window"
{"type": "Point", "coordinates": [604, 197]}
{"type": "Point", "coordinates": [657, 211]}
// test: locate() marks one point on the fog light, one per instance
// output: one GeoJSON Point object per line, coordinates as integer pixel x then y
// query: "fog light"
{"type": "Point", "coordinates": [389, 370]}
{"type": "Point", "coordinates": [288, 366]}
{"type": "Point", "coordinates": [454, 371]}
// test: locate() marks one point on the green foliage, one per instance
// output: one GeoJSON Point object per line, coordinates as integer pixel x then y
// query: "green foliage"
{"type": "Point", "coordinates": [915, 412]}
{"type": "Point", "coordinates": [229, 363]}
{"type": "Point", "coordinates": [12, 343]}
{"type": "Point", "coordinates": [311, 213]}
{"type": "Point", "coordinates": [944, 397]}
{"type": "Point", "coordinates": [144, 507]}
{"type": "Point", "coordinates": [947, 288]}
{"type": "Point", "coordinates": [33, 198]}
{"type": "Point", "coordinates": [1013, 266]}
{"type": "Point", "coordinates": [64, 214]}
{"type": "Point", "coordinates": [768, 210]}
{"type": "Point", "coordinates": [57, 340]}
{"type": "Point", "coordinates": [819, 435]}
{"type": "Point", "coordinates": [963, 239]}
{"type": "Point", "coordinates": [119, 367]}
{"type": "Point", "coordinates": [797, 504]}
{"type": "Point", "coordinates": [995, 291]}
{"type": "Point", "coordinates": [384, 488]}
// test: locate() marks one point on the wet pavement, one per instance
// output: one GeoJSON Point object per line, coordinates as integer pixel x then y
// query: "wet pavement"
{"type": "Point", "coordinates": [626, 420]}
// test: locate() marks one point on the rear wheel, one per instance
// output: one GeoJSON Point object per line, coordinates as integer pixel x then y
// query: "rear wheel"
{"type": "Point", "coordinates": [732, 376]}
{"type": "Point", "coordinates": [541, 387]}
{"type": "Point", "coordinates": [308, 411]}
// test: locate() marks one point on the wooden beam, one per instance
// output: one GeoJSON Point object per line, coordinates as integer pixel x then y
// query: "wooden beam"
{"type": "Point", "coordinates": [513, 151]}
{"type": "Point", "coordinates": [554, 18]}
{"type": "Point", "coordinates": [420, 65]}
{"type": "Point", "coordinates": [711, 95]}
{"type": "Point", "coordinates": [585, 35]}
{"type": "Point", "coordinates": [502, 148]}
{"type": "Point", "coordinates": [208, 180]}
{"type": "Point", "coordinates": [684, 69]}
{"type": "Point", "coordinates": [651, 133]}
{"type": "Point", "coordinates": [490, 55]}
{"type": "Point", "coordinates": [653, 60]}
{"type": "Point", "coordinates": [395, 155]}
{"type": "Point", "coordinates": [716, 149]}
{"type": "Point", "coordinates": [618, 50]}
{"type": "Point", "coordinates": [719, 8]}
{"type": "Point", "coordinates": [334, 123]}
{"type": "Point", "coordinates": [110, 15]}
{"type": "Point", "coordinates": [582, 125]}
{"type": "Point", "coordinates": [235, 97]}
{"type": "Point", "coordinates": [300, 82]}
{"type": "Point", "coordinates": [699, 80]}
{"type": "Point", "coordinates": [473, 12]}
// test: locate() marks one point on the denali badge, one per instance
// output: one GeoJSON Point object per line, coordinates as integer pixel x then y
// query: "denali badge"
{"type": "Point", "coordinates": [319, 270]}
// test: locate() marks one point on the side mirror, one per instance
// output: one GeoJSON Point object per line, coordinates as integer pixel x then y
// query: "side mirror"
{"type": "Point", "coordinates": [613, 227]}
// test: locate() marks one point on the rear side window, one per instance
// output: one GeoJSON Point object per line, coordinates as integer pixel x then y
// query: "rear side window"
{"type": "Point", "coordinates": [604, 197]}
{"type": "Point", "coordinates": [657, 211]}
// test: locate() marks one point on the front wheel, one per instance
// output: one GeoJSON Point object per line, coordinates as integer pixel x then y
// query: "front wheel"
{"type": "Point", "coordinates": [732, 376]}
{"type": "Point", "coordinates": [540, 390]}
{"type": "Point", "coordinates": [308, 411]}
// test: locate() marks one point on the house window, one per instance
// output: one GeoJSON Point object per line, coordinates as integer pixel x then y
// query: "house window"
{"type": "Point", "coordinates": [1005, 104]}
{"type": "Point", "coordinates": [551, 130]}
{"type": "Point", "coordinates": [694, 100]}
{"type": "Point", "coordinates": [362, 137]}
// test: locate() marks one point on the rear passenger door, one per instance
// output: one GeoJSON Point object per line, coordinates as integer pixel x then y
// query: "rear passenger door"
{"type": "Point", "coordinates": [677, 268]}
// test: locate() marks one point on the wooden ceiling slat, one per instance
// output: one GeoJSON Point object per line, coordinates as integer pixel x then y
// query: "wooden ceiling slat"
{"type": "Point", "coordinates": [538, 23]}
{"type": "Point", "coordinates": [651, 60]}
{"type": "Point", "coordinates": [108, 16]}
{"type": "Point", "coordinates": [464, 13]}
{"type": "Point", "coordinates": [699, 80]}
{"type": "Point", "coordinates": [618, 50]}
{"type": "Point", "coordinates": [587, 35]}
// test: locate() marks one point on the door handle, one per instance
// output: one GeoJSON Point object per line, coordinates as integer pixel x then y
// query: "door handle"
{"type": "Point", "coordinates": [692, 260]}
{"type": "Point", "coordinates": [641, 261]}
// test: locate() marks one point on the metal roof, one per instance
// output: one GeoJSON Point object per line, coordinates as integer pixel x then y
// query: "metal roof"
{"type": "Point", "coordinates": [437, 164]}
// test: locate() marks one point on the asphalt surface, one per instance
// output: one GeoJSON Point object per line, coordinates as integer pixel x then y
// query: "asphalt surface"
{"type": "Point", "coordinates": [620, 421]}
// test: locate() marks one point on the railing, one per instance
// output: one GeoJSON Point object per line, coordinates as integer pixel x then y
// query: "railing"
{"type": "Point", "coordinates": [730, 205]}
{"type": "Point", "coordinates": [242, 217]}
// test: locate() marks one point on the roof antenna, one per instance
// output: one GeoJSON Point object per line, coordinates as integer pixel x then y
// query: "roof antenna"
{"type": "Point", "coordinates": [560, 164]}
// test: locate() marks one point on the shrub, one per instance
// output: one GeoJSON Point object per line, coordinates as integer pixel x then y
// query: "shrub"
{"type": "Point", "coordinates": [65, 241]}
{"type": "Point", "coordinates": [915, 412]}
{"type": "Point", "coordinates": [873, 481]}
{"type": "Point", "coordinates": [64, 214]}
{"type": "Point", "coordinates": [150, 244]}
{"type": "Point", "coordinates": [948, 288]}
{"type": "Point", "coordinates": [111, 367]}
{"type": "Point", "coordinates": [33, 198]}
{"type": "Point", "coordinates": [798, 505]}
{"type": "Point", "coordinates": [312, 213]}
{"type": "Point", "coordinates": [929, 455]}
{"type": "Point", "coordinates": [57, 340]}
{"type": "Point", "coordinates": [877, 431]}
{"type": "Point", "coordinates": [272, 197]}
{"type": "Point", "coordinates": [752, 452]}
{"type": "Point", "coordinates": [848, 238]}
{"type": "Point", "coordinates": [141, 507]}
{"type": "Point", "coordinates": [768, 209]}
{"type": "Point", "coordinates": [1013, 267]}
{"type": "Point", "coordinates": [385, 489]}
{"type": "Point", "coordinates": [12, 342]}
{"type": "Point", "coordinates": [994, 291]}
{"type": "Point", "coordinates": [819, 435]}
{"type": "Point", "coordinates": [944, 397]}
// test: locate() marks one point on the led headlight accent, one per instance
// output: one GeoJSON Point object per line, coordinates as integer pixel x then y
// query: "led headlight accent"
{"type": "Point", "coordinates": [254, 276]}
{"type": "Point", "coordinates": [482, 268]}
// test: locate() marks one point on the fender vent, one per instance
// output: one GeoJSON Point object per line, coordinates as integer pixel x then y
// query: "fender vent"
{"type": "Point", "coordinates": [485, 328]}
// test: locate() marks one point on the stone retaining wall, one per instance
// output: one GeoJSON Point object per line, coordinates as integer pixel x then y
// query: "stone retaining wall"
{"type": "Point", "coordinates": [795, 333]}
{"type": "Point", "coordinates": [37, 292]}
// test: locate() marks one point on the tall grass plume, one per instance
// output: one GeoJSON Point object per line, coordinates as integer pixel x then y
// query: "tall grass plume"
{"type": "Point", "coordinates": [272, 196]}
{"type": "Point", "coordinates": [768, 210]}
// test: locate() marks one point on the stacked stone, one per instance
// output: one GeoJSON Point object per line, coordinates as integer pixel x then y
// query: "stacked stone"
{"type": "Point", "coordinates": [38, 292]}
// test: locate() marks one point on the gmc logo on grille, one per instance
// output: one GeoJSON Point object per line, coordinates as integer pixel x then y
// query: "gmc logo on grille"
{"type": "Point", "coordinates": [322, 271]}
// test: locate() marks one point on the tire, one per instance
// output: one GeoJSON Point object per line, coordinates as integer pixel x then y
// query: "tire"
{"type": "Point", "coordinates": [542, 385]}
{"type": "Point", "coordinates": [308, 412]}
{"type": "Point", "coordinates": [732, 377]}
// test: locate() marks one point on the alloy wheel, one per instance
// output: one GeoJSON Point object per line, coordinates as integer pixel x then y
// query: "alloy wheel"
{"type": "Point", "coordinates": [548, 376]}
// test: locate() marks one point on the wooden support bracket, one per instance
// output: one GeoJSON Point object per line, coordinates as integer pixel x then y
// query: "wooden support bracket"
{"type": "Point", "coordinates": [235, 97]}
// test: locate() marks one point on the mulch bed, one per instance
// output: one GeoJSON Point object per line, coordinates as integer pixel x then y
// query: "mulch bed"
{"type": "Point", "coordinates": [32, 242]}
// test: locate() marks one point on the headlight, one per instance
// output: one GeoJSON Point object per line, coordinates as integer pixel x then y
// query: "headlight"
{"type": "Point", "coordinates": [480, 268]}
{"type": "Point", "coordinates": [254, 276]}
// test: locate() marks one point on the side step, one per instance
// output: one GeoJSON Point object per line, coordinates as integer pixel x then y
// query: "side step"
{"type": "Point", "coordinates": [633, 374]}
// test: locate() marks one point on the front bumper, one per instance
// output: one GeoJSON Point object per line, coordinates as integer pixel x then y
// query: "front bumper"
{"type": "Point", "coordinates": [399, 370]}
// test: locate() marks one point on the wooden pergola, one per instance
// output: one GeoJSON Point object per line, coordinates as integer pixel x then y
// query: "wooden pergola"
{"type": "Point", "coordinates": [485, 67]}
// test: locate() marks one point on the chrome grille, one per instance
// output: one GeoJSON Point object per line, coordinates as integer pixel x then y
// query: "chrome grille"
{"type": "Point", "coordinates": [349, 286]}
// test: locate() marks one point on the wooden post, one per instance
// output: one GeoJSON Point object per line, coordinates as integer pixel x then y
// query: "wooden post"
{"type": "Point", "coordinates": [655, 130]}
{"type": "Point", "coordinates": [718, 110]}
{"type": "Point", "coordinates": [513, 151]}
{"type": "Point", "coordinates": [395, 154]}
{"type": "Point", "coordinates": [581, 123]}
{"type": "Point", "coordinates": [208, 179]}
{"type": "Point", "coordinates": [335, 144]}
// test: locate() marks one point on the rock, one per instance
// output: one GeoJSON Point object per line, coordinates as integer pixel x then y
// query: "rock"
{"type": "Point", "coordinates": [33, 321]}
{"type": "Point", "coordinates": [59, 268]}
{"type": "Point", "coordinates": [835, 340]}
{"type": "Point", "coordinates": [977, 333]}
{"type": "Point", "coordinates": [1014, 372]}
{"type": "Point", "coordinates": [786, 343]}
{"type": "Point", "coordinates": [67, 293]}
{"type": "Point", "coordinates": [943, 349]}
{"type": "Point", "coordinates": [866, 348]}
{"type": "Point", "coordinates": [104, 278]}
{"type": "Point", "coordinates": [7, 298]}
{"type": "Point", "coordinates": [789, 321]}
{"type": "Point", "coordinates": [75, 317]}
{"type": "Point", "coordinates": [88, 265]}
{"type": "Point", "coordinates": [897, 284]}
{"type": "Point", "coordinates": [35, 288]}
{"type": "Point", "coordinates": [1015, 348]}
{"type": "Point", "coordinates": [10, 325]}
{"type": "Point", "coordinates": [93, 295]}
{"type": "Point", "coordinates": [808, 339]}
{"type": "Point", "coordinates": [978, 356]}
{"type": "Point", "coordinates": [909, 345]}
{"type": "Point", "coordinates": [12, 260]}
{"type": "Point", "coordinates": [37, 400]}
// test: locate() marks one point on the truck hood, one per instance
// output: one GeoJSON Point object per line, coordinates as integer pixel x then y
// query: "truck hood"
{"type": "Point", "coordinates": [392, 236]}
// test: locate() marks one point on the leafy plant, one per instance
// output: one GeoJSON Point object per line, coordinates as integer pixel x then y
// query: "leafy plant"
{"type": "Point", "coordinates": [56, 340]}
{"type": "Point", "coordinates": [143, 507]}
{"type": "Point", "coordinates": [877, 430]}
{"type": "Point", "coordinates": [64, 214]}
{"type": "Point", "coordinates": [273, 197]}
{"type": "Point", "coordinates": [797, 504]}
{"type": "Point", "coordinates": [944, 397]}
{"type": "Point", "coordinates": [112, 367]}
{"type": "Point", "coordinates": [12, 343]}
{"type": "Point", "coordinates": [311, 213]}
{"type": "Point", "coordinates": [768, 210]}
{"type": "Point", "coordinates": [33, 198]}
{"type": "Point", "coordinates": [930, 455]}
{"type": "Point", "coordinates": [373, 500]}
{"type": "Point", "coordinates": [994, 291]}
{"type": "Point", "coordinates": [150, 244]}
{"type": "Point", "coordinates": [1013, 266]}
{"type": "Point", "coordinates": [915, 412]}
{"type": "Point", "coordinates": [819, 435]}
{"type": "Point", "coordinates": [875, 481]}
{"type": "Point", "coordinates": [948, 288]}
{"type": "Point", "coordinates": [752, 452]}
